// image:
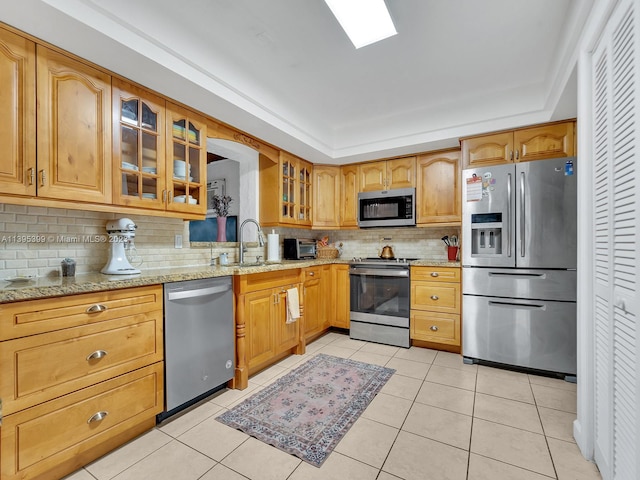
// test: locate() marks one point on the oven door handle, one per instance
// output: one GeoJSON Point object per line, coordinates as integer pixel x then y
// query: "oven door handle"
{"type": "Point", "coordinates": [379, 272]}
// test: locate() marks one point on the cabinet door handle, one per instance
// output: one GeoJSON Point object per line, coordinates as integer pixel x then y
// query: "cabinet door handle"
{"type": "Point", "coordinates": [433, 328]}
{"type": "Point", "coordinates": [96, 355]}
{"type": "Point", "coordinates": [170, 197]}
{"type": "Point", "coordinates": [434, 297]}
{"type": "Point", "coordinates": [96, 417]}
{"type": "Point", "coordinates": [164, 196]}
{"type": "Point", "coordinates": [43, 178]}
{"type": "Point", "coordinates": [434, 274]}
{"type": "Point", "coordinates": [97, 308]}
{"type": "Point", "coordinates": [517, 154]}
{"type": "Point", "coordinates": [32, 175]}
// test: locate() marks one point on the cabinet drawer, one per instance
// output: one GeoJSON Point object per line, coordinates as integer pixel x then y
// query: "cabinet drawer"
{"type": "Point", "coordinates": [45, 366]}
{"type": "Point", "coordinates": [311, 273]}
{"type": "Point", "coordinates": [31, 317]}
{"type": "Point", "coordinates": [435, 296]}
{"type": "Point", "coordinates": [435, 327]}
{"type": "Point", "coordinates": [436, 274]}
{"type": "Point", "coordinates": [37, 439]}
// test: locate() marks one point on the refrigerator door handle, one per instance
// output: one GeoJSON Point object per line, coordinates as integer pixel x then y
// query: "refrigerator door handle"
{"type": "Point", "coordinates": [513, 275]}
{"type": "Point", "coordinates": [532, 306]}
{"type": "Point", "coordinates": [522, 217]}
{"type": "Point", "coordinates": [509, 216]}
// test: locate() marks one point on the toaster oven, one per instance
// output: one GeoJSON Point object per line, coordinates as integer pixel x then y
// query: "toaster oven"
{"type": "Point", "coordinates": [299, 248]}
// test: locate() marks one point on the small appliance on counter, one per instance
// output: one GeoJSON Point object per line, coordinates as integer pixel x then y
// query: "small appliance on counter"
{"type": "Point", "coordinates": [121, 234]}
{"type": "Point", "coordinates": [299, 248]}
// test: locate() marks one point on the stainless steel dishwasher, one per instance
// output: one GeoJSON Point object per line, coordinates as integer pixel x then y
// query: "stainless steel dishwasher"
{"type": "Point", "coordinates": [198, 340]}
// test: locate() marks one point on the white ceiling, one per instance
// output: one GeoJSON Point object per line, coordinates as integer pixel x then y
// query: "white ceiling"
{"type": "Point", "coordinates": [284, 71]}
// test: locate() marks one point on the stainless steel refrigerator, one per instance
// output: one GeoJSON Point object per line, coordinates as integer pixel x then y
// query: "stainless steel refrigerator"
{"type": "Point", "coordinates": [519, 265]}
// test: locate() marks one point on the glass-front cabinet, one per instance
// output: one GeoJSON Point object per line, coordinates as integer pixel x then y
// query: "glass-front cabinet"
{"type": "Point", "coordinates": [138, 146]}
{"type": "Point", "coordinates": [295, 190]}
{"type": "Point", "coordinates": [186, 160]}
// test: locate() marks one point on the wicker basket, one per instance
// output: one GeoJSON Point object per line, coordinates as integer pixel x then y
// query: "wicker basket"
{"type": "Point", "coordinates": [327, 252]}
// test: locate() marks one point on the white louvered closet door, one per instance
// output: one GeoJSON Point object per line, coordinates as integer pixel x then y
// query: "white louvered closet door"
{"type": "Point", "coordinates": [616, 164]}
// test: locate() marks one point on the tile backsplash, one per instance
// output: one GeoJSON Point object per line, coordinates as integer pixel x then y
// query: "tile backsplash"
{"type": "Point", "coordinates": [34, 240]}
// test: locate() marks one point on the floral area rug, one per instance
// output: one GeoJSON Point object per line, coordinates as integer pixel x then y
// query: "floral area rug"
{"type": "Point", "coordinates": [307, 411]}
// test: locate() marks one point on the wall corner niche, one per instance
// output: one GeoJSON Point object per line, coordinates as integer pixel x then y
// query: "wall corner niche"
{"type": "Point", "coordinates": [232, 171]}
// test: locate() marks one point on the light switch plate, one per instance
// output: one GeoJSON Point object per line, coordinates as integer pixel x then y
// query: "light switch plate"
{"type": "Point", "coordinates": [178, 241]}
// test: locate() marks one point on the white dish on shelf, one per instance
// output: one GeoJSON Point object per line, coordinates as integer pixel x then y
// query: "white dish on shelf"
{"type": "Point", "coordinates": [149, 195]}
{"type": "Point", "coordinates": [20, 278]}
{"type": "Point", "coordinates": [149, 169]}
{"type": "Point", "coordinates": [129, 166]}
{"type": "Point", "coordinates": [181, 177]}
{"type": "Point", "coordinates": [183, 198]}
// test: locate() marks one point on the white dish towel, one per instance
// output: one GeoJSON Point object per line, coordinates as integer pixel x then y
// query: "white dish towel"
{"type": "Point", "coordinates": [293, 305]}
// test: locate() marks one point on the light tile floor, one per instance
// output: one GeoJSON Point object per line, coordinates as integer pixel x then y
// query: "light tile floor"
{"type": "Point", "coordinates": [436, 418]}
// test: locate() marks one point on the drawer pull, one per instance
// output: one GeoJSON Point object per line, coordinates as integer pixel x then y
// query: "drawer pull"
{"type": "Point", "coordinates": [96, 417]}
{"type": "Point", "coordinates": [96, 308]}
{"type": "Point", "coordinates": [434, 274]}
{"type": "Point", "coordinates": [96, 355]}
{"type": "Point", "coordinates": [433, 328]}
{"type": "Point", "coordinates": [434, 297]}
{"type": "Point", "coordinates": [311, 274]}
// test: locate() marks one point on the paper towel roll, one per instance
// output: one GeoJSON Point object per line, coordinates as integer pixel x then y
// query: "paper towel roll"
{"type": "Point", "coordinates": [273, 247]}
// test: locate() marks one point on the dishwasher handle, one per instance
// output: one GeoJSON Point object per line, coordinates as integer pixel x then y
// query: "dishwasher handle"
{"type": "Point", "coordinates": [200, 292]}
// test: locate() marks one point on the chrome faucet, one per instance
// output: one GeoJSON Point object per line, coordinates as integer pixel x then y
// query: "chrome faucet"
{"type": "Point", "coordinates": [241, 243]}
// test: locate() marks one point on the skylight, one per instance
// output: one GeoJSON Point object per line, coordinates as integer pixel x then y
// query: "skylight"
{"type": "Point", "coordinates": [364, 21]}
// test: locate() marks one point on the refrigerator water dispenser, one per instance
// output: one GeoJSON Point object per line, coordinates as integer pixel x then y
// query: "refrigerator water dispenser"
{"type": "Point", "coordinates": [486, 234]}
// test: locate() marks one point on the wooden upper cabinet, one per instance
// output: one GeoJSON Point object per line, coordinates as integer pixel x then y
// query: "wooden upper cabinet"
{"type": "Point", "coordinates": [326, 196]}
{"type": "Point", "coordinates": [438, 188]}
{"type": "Point", "coordinates": [373, 176]}
{"type": "Point", "coordinates": [486, 150]}
{"type": "Point", "coordinates": [286, 191]}
{"type": "Point", "coordinates": [550, 140]}
{"type": "Point", "coordinates": [349, 196]}
{"type": "Point", "coordinates": [186, 160]}
{"type": "Point", "coordinates": [547, 141]}
{"type": "Point", "coordinates": [73, 129]}
{"type": "Point", "coordinates": [138, 146]}
{"type": "Point", "coordinates": [401, 173]}
{"type": "Point", "coordinates": [386, 175]}
{"type": "Point", "coordinates": [17, 110]}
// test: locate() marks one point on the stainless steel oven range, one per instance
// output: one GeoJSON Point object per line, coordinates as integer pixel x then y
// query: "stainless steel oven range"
{"type": "Point", "coordinates": [380, 300]}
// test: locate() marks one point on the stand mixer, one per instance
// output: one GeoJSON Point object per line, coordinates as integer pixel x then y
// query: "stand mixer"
{"type": "Point", "coordinates": [121, 234]}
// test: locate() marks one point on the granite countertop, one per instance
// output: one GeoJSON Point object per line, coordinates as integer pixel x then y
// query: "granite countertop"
{"type": "Point", "coordinates": [54, 286]}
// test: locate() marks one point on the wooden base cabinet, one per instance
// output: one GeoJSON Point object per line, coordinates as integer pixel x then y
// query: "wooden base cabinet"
{"type": "Point", "coordinates": [340, 296]}
{"type": "Point", "coordinates": [81, 375]}
{"type": "Point", "coordinates": [435, 305]}
{"type": "Point", "coordinates": [316, 292]}
{"type": "Point", "coordinates": [262, 334]}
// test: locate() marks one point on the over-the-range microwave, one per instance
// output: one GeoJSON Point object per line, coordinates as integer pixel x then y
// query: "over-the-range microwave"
{"type": "Point", "coordinates": [387, 208]}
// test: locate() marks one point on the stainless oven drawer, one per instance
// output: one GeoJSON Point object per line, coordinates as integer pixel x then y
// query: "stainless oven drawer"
{"type": "Point", "coordinates": [369, 332]}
